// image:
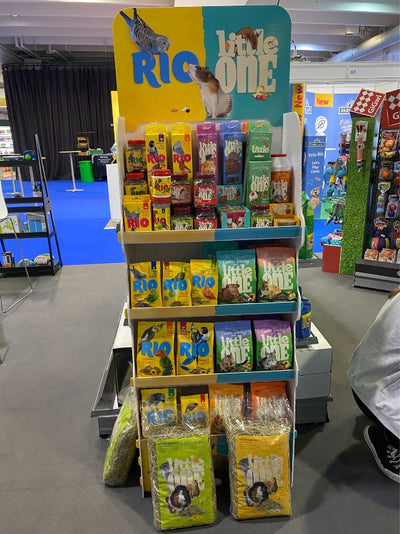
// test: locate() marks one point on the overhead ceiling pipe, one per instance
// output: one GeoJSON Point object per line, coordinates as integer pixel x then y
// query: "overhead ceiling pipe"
{"type": "Point", "coordinates": [370, 46]}
{"type": "Point", "coordinates": [20, 45]}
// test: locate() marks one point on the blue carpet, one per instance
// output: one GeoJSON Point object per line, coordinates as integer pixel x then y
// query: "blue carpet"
{"type": "Point", "coordinates": [80, 219]}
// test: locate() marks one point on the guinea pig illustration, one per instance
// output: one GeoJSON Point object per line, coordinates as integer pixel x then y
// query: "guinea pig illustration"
{"type": "Point", "coordinates": [215, 101]}
{"type": "Point", "coordinates": [230, 293]}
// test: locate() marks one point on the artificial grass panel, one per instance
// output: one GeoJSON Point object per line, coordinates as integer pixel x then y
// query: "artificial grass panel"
{"type": "Point", "coordinates": [357, 194]}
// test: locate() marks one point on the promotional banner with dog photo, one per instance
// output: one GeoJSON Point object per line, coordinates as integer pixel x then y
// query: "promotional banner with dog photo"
{"type": "Point", "coordinates": [197, 64]}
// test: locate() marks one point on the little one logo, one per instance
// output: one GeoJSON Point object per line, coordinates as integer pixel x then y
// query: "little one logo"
{"type": "Point", "coordinates": [279, 345]}
{"type": "Point", "coordinates": [240, 275]}
{"type": "Point", "coordinates": [281, 275]}
{"type": "Point", "coordinates": [237, 347]}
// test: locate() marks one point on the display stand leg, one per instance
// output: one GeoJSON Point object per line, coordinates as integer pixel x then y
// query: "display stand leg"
{"type": "Point", "coordinates": [14, 191]}
{"type": "Point", "coordinates": [20, 181]}
{"type": "Point", "coordinates": [74, 189]}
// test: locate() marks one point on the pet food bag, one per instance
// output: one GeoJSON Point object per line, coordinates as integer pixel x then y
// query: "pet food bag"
{"type": "Point", "coordinates": [274, 344]}
{"type": "Point", "coordinates": [194, 409]}
{"type": "Point", "coordinates": [269, 402]}
{"type": "Point", "coordinates": [226, 400]}
{"type": "Point", "coordinates": [182, 477]}
{"type": "Point", "coordinates": [234, 346]}
{"type": "Point", "coordinates": [277, 278]}
{"type": "Point", "coordinates": [259, 138]}
{"type": "Point", "coordinates": [155, 354]}
{"type": "Point", "coordinates": [145, 284]}
{"type": "Point", "coordinates": [259, 472]}
{"type": "Point", "coordinates": [204, 282]}
{"type": "Point", "coordinates": [158, 408]}
{"type": "Point", "coordinates": [258, 182]}
{"type": "Point", "coordinates": [237, 280]}
{"type": "Point", "coordinates": [122, 447]}
{"type": "Point", "coordinates": [176, 284]}
{"type": "Point", "coordinates": [195, 348]}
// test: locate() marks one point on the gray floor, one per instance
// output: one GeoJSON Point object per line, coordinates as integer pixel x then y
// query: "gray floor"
{"type": "Point", "coordinates": [51, 458]}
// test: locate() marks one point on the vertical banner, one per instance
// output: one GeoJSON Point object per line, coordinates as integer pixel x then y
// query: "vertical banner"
{"type": "Point", "coordinates": [196, 64]}
{"type": "Point", "coordinates": [298, 100]}
{"type": "Point", "coordinates": [313, 170]}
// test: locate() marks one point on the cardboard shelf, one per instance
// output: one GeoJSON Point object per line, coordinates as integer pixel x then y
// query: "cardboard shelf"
{"type": "Point", "coordinates": [214, 378]}
{"type": "Point", "coordinates": [220, 234]}
{"type": "Point", "coordinates": [220, 310]}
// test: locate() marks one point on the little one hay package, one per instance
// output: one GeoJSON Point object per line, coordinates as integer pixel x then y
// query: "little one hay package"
{"type": "Point", "coordinates": [277, 278]}
{"type": "Point", "coordinates": [237, 281]}
{"type": "Point", "coordinates": [274, 343]}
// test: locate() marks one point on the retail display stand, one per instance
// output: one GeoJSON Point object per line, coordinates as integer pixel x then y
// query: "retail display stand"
{"type": "Point", "coordinates": [33, 204]}
{"type": "Point", "coordinates": [181, 246]}
{"type": "Point", "coordinates": [168, 97]}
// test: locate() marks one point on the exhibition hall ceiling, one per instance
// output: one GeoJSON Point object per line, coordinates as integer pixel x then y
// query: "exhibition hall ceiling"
{"type": "Point", "coordinates": [50, 31]}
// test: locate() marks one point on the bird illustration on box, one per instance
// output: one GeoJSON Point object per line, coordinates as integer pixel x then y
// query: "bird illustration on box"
{"type": "Point", "coordinates": [137, 275]}
{"type": "Point", "coordinates": [149, 334]}
{"type": "Point", "coordinates": [146, 39]}
{"type": "Point", "coordinates": [154, 399]}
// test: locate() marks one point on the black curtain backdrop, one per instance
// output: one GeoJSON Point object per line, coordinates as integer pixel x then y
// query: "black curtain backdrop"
{"type": "Point", "coordinates": [59, 102]}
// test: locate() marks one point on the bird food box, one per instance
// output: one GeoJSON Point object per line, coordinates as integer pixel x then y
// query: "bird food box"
{"type": "Point", "coordinates": [156, 136]}
{"type": "Point", "coordinates": [145, 284]}
{"type": "Point", "coordinates": [137, 213]}
{"type": "Point", "coordinates": [181, 141]}
{"type": "Point", "coordinates": [234, 346]}
{"type": "Point", "coordinates": [183, 482]}
{"type": "Point", "coordinates": [158, 408]}
{"type": "Point", "coordinates": [6, 227]}
{"type": "Point", "coordinates": [155, 355]}
{"type": "Point", "coordinates": [195, 348]}
{"type": "Point", "coordinates": [259, 478]}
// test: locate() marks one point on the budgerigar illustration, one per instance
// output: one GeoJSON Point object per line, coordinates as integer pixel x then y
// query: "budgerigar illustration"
{"type": "Point", "coordinates": [177, 148]}
{"type": "Point", "coordinates": [147, 40]}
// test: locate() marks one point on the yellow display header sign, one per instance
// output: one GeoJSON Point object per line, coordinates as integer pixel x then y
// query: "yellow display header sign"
{"type": "Point", "coordinates": [323, 100]}
{"type": "Point", "coordinates": [202, 63]}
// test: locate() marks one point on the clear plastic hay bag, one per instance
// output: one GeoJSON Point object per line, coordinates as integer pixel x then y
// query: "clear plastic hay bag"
{"type": "Point", "coordinates": [259, 468]}
{"type": "Point", "coordinates": [122, 447]}
{"type": "Point", "coordinates": [182, 477]}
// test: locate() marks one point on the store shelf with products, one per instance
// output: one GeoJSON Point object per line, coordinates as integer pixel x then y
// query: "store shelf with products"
{"type": "Point", "coordinates": [43, 221]}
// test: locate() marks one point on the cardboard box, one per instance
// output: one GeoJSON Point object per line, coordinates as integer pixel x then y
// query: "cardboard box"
{"type": "Point", "coordinates": [6, 226]}
{"type": "Point", "coordinates": [36, 222]}
{"type": "Point", "coordinates": [316, 358]}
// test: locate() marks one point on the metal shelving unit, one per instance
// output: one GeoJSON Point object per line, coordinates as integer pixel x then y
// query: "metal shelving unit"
{"type": "Point", "coordinates": [33, 204]}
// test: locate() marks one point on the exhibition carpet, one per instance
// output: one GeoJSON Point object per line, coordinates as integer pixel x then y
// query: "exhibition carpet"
{"type": "Point", "coordinates": [80, 219]}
